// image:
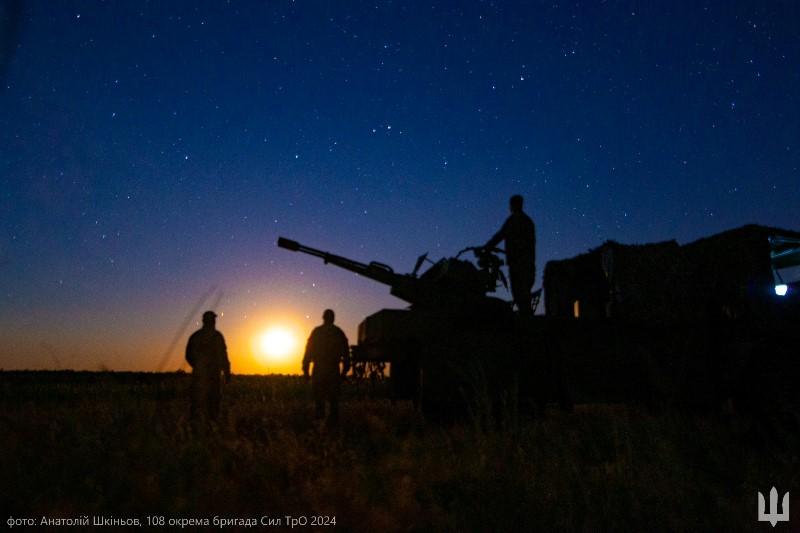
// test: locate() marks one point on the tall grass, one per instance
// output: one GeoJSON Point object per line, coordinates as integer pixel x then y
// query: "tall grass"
{"type": "Point", "coordinates": [85, 444]}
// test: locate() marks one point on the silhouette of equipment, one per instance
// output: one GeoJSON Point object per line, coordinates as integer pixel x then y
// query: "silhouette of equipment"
{"type": "Point", "coordinates": [454, 338]}
{"type": "Point", "coordinates": [658, 324]}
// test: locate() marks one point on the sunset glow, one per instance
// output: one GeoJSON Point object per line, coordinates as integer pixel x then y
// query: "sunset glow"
{"type": "Point", "coordinates": [277, 344]}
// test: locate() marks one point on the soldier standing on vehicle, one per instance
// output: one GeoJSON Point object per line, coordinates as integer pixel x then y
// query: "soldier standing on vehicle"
{"type": "Point", "coordinates": [326, 348]}
{"type": "Point", "coordinates": [519, 234]}
{"type": "Point", "coordinates": [207, 354]}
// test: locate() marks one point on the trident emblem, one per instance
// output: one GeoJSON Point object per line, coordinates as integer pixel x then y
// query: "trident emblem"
{"type": "Point", "coordinates": [773, 517]}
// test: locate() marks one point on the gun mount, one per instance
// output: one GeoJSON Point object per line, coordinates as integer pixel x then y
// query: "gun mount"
{"type": "Point", "coordinates": [451, 320]}
{"type": "Point", "coordinates": [448, 282]}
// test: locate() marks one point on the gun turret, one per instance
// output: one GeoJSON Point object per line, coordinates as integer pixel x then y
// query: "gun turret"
{"type": "Point", "coordinates": [449, 281]}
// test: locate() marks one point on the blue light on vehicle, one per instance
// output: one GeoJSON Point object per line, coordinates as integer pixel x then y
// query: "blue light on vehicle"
{"type": "Point", "coordinates": [781, 289]}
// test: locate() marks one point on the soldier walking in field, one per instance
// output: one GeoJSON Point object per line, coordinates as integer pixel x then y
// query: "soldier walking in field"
{"type": "Point", "coordinates": [326, 348]}
{"type": "Point", "coordinates": [207, 354]}
{"type": "Point", "coordinates": [519, 234]}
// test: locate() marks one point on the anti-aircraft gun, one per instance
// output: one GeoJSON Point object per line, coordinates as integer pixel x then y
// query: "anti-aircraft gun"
{"type": "Point", "coordinates": [453, 331]}
{"type": "Point", "coordinates": [449, 282]}
{"type": "Point", "coordinates": [657, 324]}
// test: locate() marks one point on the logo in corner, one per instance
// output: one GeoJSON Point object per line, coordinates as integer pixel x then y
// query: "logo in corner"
{"type": "Point", "coordinates": [773, 517]}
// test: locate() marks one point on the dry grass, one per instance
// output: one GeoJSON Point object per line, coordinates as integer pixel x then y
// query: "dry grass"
{"type": "Point", "coordinates": [76, 444]}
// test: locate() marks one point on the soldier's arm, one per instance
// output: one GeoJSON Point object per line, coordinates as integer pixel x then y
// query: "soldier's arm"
{"type": "Point", "coordinates": [307, 357]}
{"type": "Point", "coordinates": [499, 236]}
{"type": "Point", "coordinates": [190, 355]}
{"type": "Point", "coordinates": [345, 355]}
{"type": "Point", "coordinates": [226, 363]}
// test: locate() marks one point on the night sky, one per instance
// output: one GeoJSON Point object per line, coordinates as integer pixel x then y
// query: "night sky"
{"type": "Point", "coordinates": [151, 152]}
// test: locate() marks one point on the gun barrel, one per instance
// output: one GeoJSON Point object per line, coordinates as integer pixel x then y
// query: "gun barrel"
{"type": "Point", "coordinates": [375, 271]}
{"type": "Point", "coordinates": [288, 244]}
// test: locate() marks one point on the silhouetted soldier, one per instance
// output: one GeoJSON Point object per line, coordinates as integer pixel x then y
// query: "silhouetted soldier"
{"type": "Point", "coordinates": [207, 354]}
{"type": "Point", "coordinates": [326, 347]}
{"type": "Point", "coordinates": [519, 234]}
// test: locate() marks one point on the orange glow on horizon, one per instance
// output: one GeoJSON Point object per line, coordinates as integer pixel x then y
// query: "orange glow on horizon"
{"type": "Point", "coordinates": [276, 343]}
{"type": "Point", "coordinates": [273, 345]}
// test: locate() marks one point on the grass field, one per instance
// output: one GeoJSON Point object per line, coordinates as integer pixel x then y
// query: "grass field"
{"type": "Point", "coordinates": [76, 444]}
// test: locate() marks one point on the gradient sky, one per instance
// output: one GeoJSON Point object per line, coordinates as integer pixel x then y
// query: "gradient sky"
{"type": "Point", "coordinates": [152, 151]}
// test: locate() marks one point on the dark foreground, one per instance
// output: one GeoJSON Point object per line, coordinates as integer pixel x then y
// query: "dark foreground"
{"type": "Point", "coordinates": [77, 445]}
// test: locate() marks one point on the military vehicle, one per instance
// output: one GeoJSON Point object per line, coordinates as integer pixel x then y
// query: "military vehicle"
{"type": "Point", "coordinates": [453, 339]}
{"type": "Point", "coordinates": [695, 324]}
{"type": "Point", "coordinates": [660, 323]}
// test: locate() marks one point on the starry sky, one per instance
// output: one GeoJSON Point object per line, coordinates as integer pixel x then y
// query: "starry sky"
{"type": "Point", "coordinates": [152, 152]}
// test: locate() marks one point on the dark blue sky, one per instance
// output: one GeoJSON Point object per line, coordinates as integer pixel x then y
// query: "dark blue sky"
{"type": "Point", "coordinates": [151, 150]}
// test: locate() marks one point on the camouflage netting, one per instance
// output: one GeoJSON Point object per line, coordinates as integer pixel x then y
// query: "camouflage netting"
{"type": "Point", "coordinates": [630, 281]}
{"type": "Point", "coordinates": [643, 281]}
{"type": "Point", "coordinates": [580, 278]}
{"type": "Point", "coordinates": [733, 268]}
{"type": "Point", "coordinates": [725, 274]}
